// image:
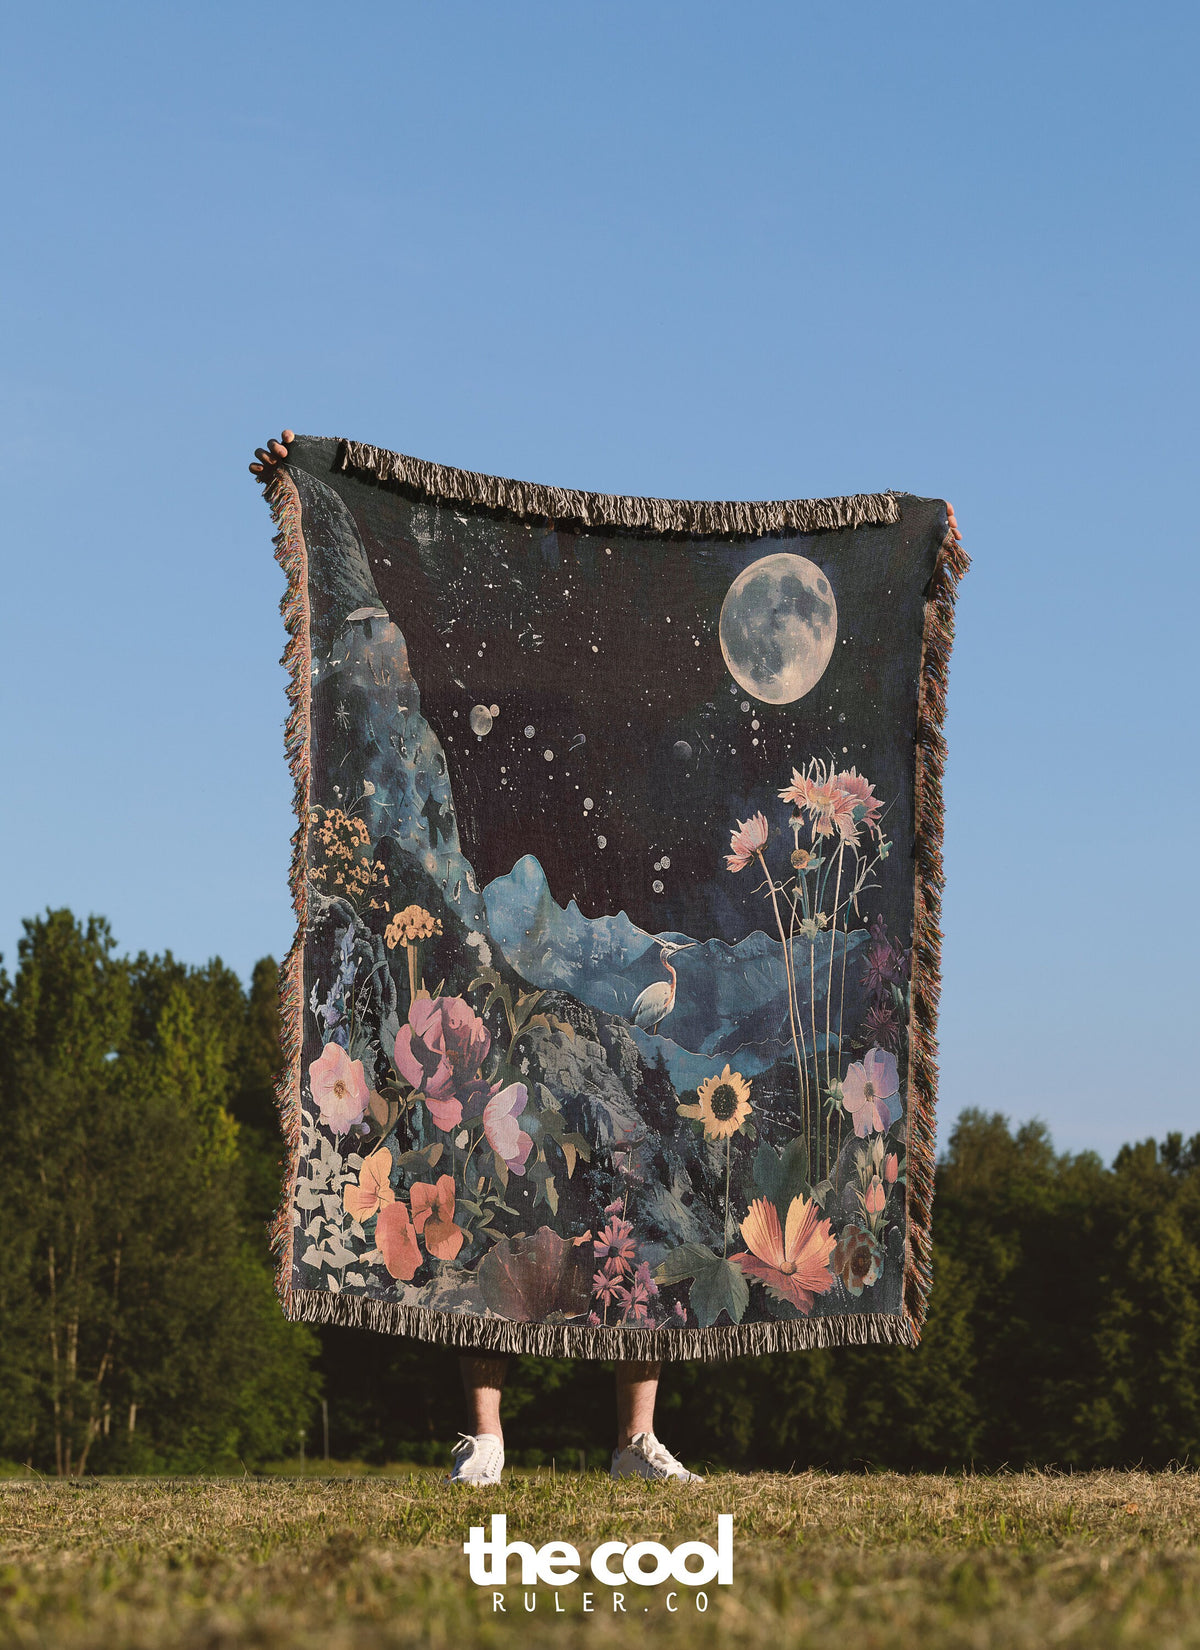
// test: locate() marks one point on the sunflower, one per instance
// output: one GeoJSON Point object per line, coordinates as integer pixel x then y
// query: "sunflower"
{"type": "Point", "coordinates": [723, 1104]}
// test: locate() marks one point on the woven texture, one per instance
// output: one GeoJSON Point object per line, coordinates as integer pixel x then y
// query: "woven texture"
{"type": "Point", "coordinates": [610, 1019]}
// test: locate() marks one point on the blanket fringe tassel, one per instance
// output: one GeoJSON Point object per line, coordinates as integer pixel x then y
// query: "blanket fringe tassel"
{"type": "Point", "coordinates": [525, 499]}
{"type": "Point", "coordinates": [292, 556]}
{"type": "Point", "coordinates": [952, 563]}
{"type": "Point", "coordinates": [569, 1340]}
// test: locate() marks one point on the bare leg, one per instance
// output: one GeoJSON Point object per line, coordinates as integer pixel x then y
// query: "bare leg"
{"type": "Point", "coordinates": [482, 1380]}
{"type": "Point", "coordinates": [637, 1388]}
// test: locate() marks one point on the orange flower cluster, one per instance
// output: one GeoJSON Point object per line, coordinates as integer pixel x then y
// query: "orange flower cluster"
{"type": "Point", "coordinates": [344, 864]}
{"type": "Point", "coordinates": [410, 925]}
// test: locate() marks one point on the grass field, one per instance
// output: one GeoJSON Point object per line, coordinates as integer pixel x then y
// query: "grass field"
{"type": "Point", "coordinates": [877, 1561]}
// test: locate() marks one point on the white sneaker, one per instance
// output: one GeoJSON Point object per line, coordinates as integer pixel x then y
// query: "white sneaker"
{"type": "Point", "coordinates": [645, 1457]}
{"type": "Point", "coordinates": [477, 1460]}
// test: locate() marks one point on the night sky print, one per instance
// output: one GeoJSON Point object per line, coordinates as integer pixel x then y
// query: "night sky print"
{"type": "Point", "coordinates": [601, 653]}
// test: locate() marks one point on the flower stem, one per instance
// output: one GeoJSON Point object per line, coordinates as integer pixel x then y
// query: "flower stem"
{"type": "Point", "coordinates": [463, 1166]}
{"type": "Point", "coordinates": [794, 994]}
{"type": "Point", "coordinates": [812, 1009]}
{"type": "Point", "coordinates": [837, 894]}
{"type": "Point", "coordinates": [725, 1228]}
{"type": "Point", "coordinates": [787, 965]}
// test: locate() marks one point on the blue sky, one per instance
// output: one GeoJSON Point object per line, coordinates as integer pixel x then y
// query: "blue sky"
{"type": "Point", "coordinates": [686, 249]}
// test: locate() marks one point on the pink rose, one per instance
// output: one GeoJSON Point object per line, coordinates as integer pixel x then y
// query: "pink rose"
{"type": "Point", "coordinates": [338, 1088]}
{"type": "Point", "coordinates": [867, 1088]}
{"type": "Point", "coordinates": [440, 1052]}
{"type": "Point", "coordinates": [505, 1135]}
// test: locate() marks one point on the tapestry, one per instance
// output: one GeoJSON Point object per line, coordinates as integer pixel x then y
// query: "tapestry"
{"type": "Point", "coordinates": [610, 1017]}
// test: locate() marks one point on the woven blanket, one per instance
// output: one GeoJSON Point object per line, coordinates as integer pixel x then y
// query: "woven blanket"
{"type": "Point", "coordinates": [610, 1018]}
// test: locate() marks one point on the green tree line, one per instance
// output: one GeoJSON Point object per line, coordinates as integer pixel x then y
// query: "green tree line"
{"type": "Point", "coordinates": [140, 1330]}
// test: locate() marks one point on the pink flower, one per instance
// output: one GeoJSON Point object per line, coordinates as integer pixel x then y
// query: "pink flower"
{"type": "Point", "coordinates": [633, 1302]}
{"type": "Point", "coordinates": [793, 1262]}
{"type": "Point", "coordinates": [875, 1197]}
{"type": "Point", "coordinates": [338, 1088]}
{"type": "Point", "coordinates": [831, 808]}
{"type": "Point", "coordinates": [505, 1135]}
{"type": "Point", "coordinates": [862, 796]}
{"type": "Point", "coordinates": [607, 1285]}
{"type": "Point", "coordinates": [829, 804]}
{"type": "Point", "coordinates": [797, 792]}
{"type": "Point", "coordinates": [679, 1310]}
{"type": "Point", "coordinates": [397, 1241]}
{"type": "Point", "coordinates": [433, 1217]}
{"type": "Point", "coordinates": [365, 1197]}
{"type": "Point", "coordinates": [615, 1207]}
{"type": "Point", "coordinates": [593, 1318]}
{"type": "Point", "coordinates": [749, 839]}
{"type": "Point", "coordinates": [615, 1240]}
{"type": "Point", "coordinates": [867, 1088]}
{"type": "Point", "coordinates": [891, 1168]}
{"type": "Point", "coordinates": [440, 1052]}
{"type": "Point", "coordinates": [645, 1280]}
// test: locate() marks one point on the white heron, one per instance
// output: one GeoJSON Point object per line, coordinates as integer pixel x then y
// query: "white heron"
{"type": "Point", "coordinates": [652, 1005]}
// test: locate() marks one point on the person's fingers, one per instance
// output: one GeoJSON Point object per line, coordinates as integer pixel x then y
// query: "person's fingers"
{"type": "Point", "coordinates": [257, 469]}
{"type": "Point", "coordinates": [278, 448]}
{"type": "Point", "coordinates": [264, 455]}
{"type": "Point", "coordinates": [289, 436]}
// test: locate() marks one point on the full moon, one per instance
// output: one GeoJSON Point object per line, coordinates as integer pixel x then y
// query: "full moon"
{"type": "Point", "coordinates": [778, 626]}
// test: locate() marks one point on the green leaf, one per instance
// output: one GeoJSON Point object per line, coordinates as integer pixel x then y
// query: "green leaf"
{"type": "Point", "coordinates": [551, 1123]}
{"type": "Point", "coordinates": [684, 1262]}
{"type": "Point", "coordinates": [721, 1288]}
{"type": "Point", "coordinates": [547, 1191]}
{"type": "Point", "coordinates": [498, 992]}
{"type": "Point", "coordinates": [719, 1285]}
{"type": "Point", "coordinates": [779, 1177]}
{"type": "Point", "coordinates": [821, 1192]}
{"type": "Point", "coordinates": [527, 1001]}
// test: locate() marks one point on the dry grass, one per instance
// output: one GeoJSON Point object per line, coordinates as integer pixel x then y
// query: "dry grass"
{"type": "Point", "coordinates": [1104, 1559]}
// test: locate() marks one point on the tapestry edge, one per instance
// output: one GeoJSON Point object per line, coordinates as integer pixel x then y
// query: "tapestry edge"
{"type": "Point", "coordinates": [292, 555]}
{"type": "Point", "coordinates": [936, 643]}
{"type": "Point", "coordinates": [524, 500]}
{"type": "Point", "coordinates": [716, 1342]}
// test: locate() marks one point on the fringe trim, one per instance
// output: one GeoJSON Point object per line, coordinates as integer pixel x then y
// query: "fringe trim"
{"type": "Point", "coordinates": [554, 1340]}
{"type": "Point", "coordinates": [292, 555]}
{"type": "Point", "coordinates": [659, 515]}
{"type": "Point", "coordinates": [937, 640]}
